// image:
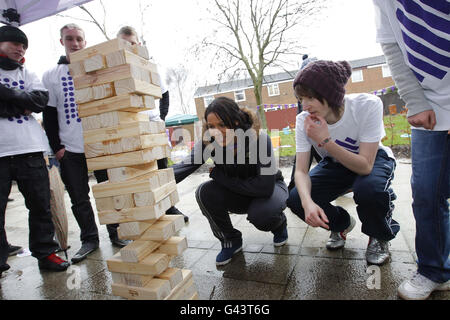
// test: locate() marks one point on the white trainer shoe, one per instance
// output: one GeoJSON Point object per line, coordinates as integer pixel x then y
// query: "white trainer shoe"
{"type": "Point", "coordinates": [420, 287]}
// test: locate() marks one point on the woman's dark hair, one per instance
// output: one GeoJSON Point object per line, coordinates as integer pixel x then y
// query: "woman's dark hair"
{"type": "Point", "coordinates": [230, 113]}
{"type": "Point", "coordinates": [305, 91]}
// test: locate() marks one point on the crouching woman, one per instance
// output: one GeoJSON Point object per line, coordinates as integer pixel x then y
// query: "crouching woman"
{"type": "Point", "coordinates": [244, 179]}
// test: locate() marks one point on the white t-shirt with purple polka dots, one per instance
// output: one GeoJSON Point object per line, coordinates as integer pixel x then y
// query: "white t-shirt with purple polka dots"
{"type": "Point", "coordinates": [62, 96]}
{"type": "Point", "coordinates": [24, 134]}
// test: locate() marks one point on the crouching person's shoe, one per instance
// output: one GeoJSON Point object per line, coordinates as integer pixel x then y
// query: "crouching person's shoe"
{"type": "Point", "coordinates": [377, 252]}
{"type": "Point", "coordinates": [280, 237]}
{"type": "Point", "coordinates": [86, 249]}
{"type": "Point", "coordinates": [337, 239]}
{"type": "Point", "coordinates": [53, 263]}
{"type": "Point", "coordinates": [227, 254]}
{"type": "Point", "coordinates": [4, 268]}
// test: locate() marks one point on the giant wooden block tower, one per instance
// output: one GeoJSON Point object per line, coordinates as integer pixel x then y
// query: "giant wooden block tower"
{"type": "Point", "coordinates": [113, 82]}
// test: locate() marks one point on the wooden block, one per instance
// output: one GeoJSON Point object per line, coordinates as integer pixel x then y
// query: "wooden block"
{"type": "Point", "coordinates": [105, 76]}
{"type": "Point", "coordinates": [125, 144]}
{"type": "Point", "coordinates": [138, 250]}
{"type": "Point", "coordinates": [149, 102]}
{"type": "Point", "coordinates": [157, 126]}
{"type": "Point", "coordinates": [76, 69]}
{"type": "Point", "coordinates": [144, 183]}
{"type": "Point", "coordinates": [89, 94]}
{"type": "Point", "coordinates": [102, 48]}
{"type": "Point", "coordinates": [129, 103]}
{"type": "Point", "coordinates": [132, 172]}
{"type": "Point", "coordinates": [130, 129]}
{"type": "Point", "coordinates": [94, 63]}
{"type": "Point", "coordinates": [155, 79]}
{"type": "Point", "coordinates": [177, 219]}
{"type": "Point", "coordinates": [147, 198]}
{"type": "Point", "coordinates": [155, 289]}
{"type": "Point", "coordinates": [134, 214]}
{"type": "Point", "coordinates": [111, 119]}
{"type": "Point", "coordinates": [126, 57]}
{"type": "Point", "coordinates": [182, 286]}
{"type": "Point", "coordinates": [134, 280]}
{"type": "Point", "coordinates": [174, 198]}
{"type": "Point", "coordinates": [152, 265]}
{"type": "Point", "coordinates": [125, 159]}
{"type": "Point", "coordinates": [120, 202]}
{"type": "Point", "coordinates": [174, 246]}
{"type": "Point", "coordinates": [173, 275]}
{"type": "Point", "coordinates": [141, 51]}
{"type": "Point", "coordinates": [133, 230]}
{"type": "Point", "coordinates": [161, 230]}
{"type": "Point", "coordinates": [132, 85]}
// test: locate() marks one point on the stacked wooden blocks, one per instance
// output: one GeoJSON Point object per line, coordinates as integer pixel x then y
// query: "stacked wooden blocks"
{"type": "Point", "coordinates": [114, 81]}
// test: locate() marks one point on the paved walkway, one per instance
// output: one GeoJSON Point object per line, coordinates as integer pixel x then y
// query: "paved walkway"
{"type": "Point", "coordinates": [302, 269]}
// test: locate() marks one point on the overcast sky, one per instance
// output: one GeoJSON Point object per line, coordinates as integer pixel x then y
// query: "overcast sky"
{"type": "Point", "coordinates": [345, 30]}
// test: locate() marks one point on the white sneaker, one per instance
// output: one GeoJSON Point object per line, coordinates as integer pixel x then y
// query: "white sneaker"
{"type": "Point", "coordinates": [420, 287]}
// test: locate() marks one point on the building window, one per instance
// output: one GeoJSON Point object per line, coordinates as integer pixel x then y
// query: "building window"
{"type": "Point", "coordinates": [357, 76]}
{"type": "Point", "coordinates": [239, 95]}
{"type": "Point", "coordinates": [386, 71]}
{"type": "Point", "coordinates": [207, 100]}
{"type": "Point", "coordinates": [273, 90]}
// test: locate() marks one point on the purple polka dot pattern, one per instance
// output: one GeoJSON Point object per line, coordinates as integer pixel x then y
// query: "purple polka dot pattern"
{"type": "Point", "coordinates": [70, 108]}
{"type": "Point", "coordinates": [19, 85]}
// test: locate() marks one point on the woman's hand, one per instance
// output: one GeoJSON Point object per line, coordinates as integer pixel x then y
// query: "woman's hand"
{"type": "Point", "coordinates": [315, 216]}
{"type": "Point", "coordinates": [316, 128]}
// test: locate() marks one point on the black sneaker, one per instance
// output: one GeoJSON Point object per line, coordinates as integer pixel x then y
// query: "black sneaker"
{"type": "Point", "coordinates": [85, 250]}
{"type": "Point", "coordinates": [53, 263]}
{"type": "Point", "coordinates": [13, 250]}
{"type": "Point", "coordinates": [3, 268]}
{"type": "Point", "coordinates": [174, 211]}
{"type": "Point", "coordinates": [120, 243]}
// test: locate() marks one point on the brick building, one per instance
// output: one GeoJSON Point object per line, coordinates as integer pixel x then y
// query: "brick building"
{"type": "Point", "coordinates": [369, 75]}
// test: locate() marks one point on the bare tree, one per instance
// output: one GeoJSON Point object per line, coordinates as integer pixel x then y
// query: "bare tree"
{"type": "Point", "coordinates": [177, 78]}
{"type": "Point", "coordinates": [92, 18]}
{"type": "Point", "coordinates": [256, 34]}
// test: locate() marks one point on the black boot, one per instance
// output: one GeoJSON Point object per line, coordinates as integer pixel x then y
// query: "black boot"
{"type": "Point", "coordinates": [85, 250]}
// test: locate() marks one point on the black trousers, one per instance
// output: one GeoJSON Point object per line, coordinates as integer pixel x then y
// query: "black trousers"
{"type": "Point", "coordinates": [74, 174]}
{"type": "Point", "coordinates": [31, 174]}
{"type": "Point", "coordinates": [216, 202]}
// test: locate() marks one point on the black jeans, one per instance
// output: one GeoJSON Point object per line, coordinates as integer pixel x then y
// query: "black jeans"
{"type": "Point", "coordinates": [74, 174]}
{"type": "Point", "coordinates": [216, 202]}
{"type": "Point", "coordinates": [31, 174]}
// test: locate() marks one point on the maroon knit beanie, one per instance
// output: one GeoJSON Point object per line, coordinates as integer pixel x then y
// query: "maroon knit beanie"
{"type": "Point", "coordinates": [327, 78]}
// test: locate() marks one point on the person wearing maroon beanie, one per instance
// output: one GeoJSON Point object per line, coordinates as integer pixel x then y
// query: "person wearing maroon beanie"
{"type": "Point", "coordinates": [346, 131]}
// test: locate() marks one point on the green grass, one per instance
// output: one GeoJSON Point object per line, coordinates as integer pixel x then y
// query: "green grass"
{"type": "Point", "coordinates": [395, 127]}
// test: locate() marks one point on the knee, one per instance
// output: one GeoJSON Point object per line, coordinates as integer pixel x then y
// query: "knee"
{"type": "Point", "coordinates": [207, 195]}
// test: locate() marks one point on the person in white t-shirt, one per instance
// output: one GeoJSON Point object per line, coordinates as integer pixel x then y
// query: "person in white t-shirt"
{"type": "Point", "coordinates": [22, 144]}
{"type": "Point", "coordinates": [415, 38]}
{"type": "Point", "coordinates": [157, 114]}
{"type": "Point", "coordinates": [346, 131]}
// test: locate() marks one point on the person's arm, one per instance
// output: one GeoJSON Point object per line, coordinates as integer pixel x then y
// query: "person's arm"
{"type": "Point", "coordinates": [260, 186]}
{"type": "Point", "coordinates": [51, 126]}
{"type": "Point", "coordinates": [314, 215]}
{"type": "Point", "coordinates": [164, 105]}
{"type": "Point", "coordinates": [34, 101]}
{"type": "Point", "coordinates": [189, 164]}
{"type": "Point", "coordinates": [362, 163]}
{"type": "Point", "coordinates": [420, 113]}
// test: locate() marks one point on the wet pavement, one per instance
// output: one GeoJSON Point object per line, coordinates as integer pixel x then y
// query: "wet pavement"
{"type": "Point", "coordinates": [302, 269]}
